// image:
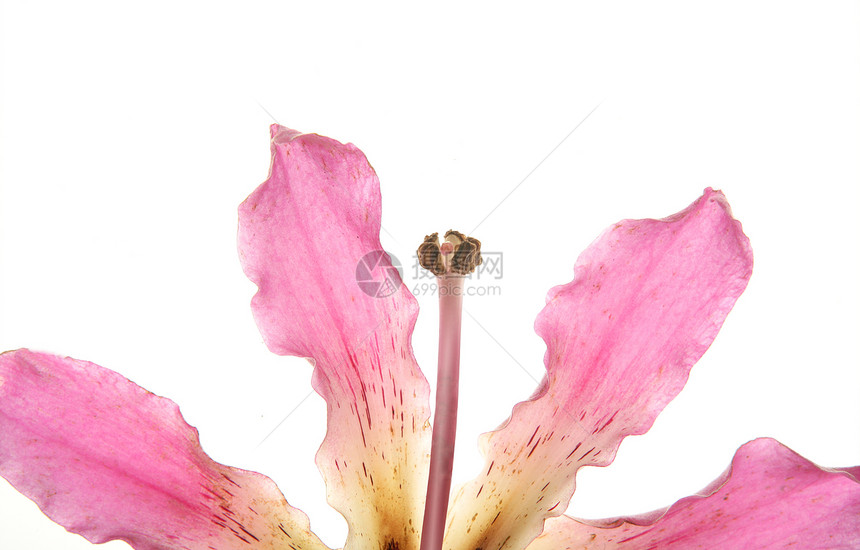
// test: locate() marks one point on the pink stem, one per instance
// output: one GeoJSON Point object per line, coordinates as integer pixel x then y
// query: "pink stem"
{"type": "Point", "coordinates": [445, 419]}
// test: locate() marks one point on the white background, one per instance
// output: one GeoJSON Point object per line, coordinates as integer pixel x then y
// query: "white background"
{"type": "Point", "coordinates": [130, 133]}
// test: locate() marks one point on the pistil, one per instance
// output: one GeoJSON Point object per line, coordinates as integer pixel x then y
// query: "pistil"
{"type": "Point", "coordinates": [451, 262]}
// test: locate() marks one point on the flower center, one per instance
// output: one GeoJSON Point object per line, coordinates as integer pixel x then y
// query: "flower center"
{"type": "Point", "coordinates": [458, 255]}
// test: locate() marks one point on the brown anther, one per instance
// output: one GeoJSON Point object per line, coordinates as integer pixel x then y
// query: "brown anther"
{"type": "Point", "coordinates": [429, 255]}
{"type": "Point", "coordinates": [461, 254]}
{"type": "Point", "coordinates": [467, 252]}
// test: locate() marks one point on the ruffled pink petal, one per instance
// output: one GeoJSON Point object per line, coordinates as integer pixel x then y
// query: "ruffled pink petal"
{"type": "Point", "coordinates": [108, 460]}
{"type": "Point", "coordinates": [647, 300]}
{"type": "Point", "coordinates": [770, 497]}
{"type": "Point", "coordinates": [309, 239]}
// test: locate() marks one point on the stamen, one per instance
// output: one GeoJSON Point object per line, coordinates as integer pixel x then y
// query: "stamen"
{"type": "Point", "coordinates": [429, 255]}
{"type": "Point", "coordinates": [456, 257]}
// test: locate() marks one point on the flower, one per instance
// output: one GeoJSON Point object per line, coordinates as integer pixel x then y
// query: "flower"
{"type": "Point", "coordinates": [108, 460]}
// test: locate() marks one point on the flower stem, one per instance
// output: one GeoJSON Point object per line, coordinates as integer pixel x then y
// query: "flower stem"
{"type": "Point", "coordinates": [445, 419]}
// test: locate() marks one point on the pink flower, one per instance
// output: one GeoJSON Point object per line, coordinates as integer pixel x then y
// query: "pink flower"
{"type": "Point", "coordinates": [108, 460]}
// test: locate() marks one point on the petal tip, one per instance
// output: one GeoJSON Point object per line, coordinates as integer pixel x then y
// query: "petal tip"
{"type": "Point", "coordinates": [282, 134]}
{"type": "Point", "coordinates": [711, 195]}
{"type": "Point", "coordinates": [723, 211]}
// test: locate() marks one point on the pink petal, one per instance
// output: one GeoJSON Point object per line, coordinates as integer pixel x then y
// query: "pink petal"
{"type": "Point", "coordinates": [108, 460]}
{"type": "Point", "coordinates": [304, 236]}
{"type": "Point", "coordinates": [647, 300]}
{"type": "Point", "coordinates": [770, 497]}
